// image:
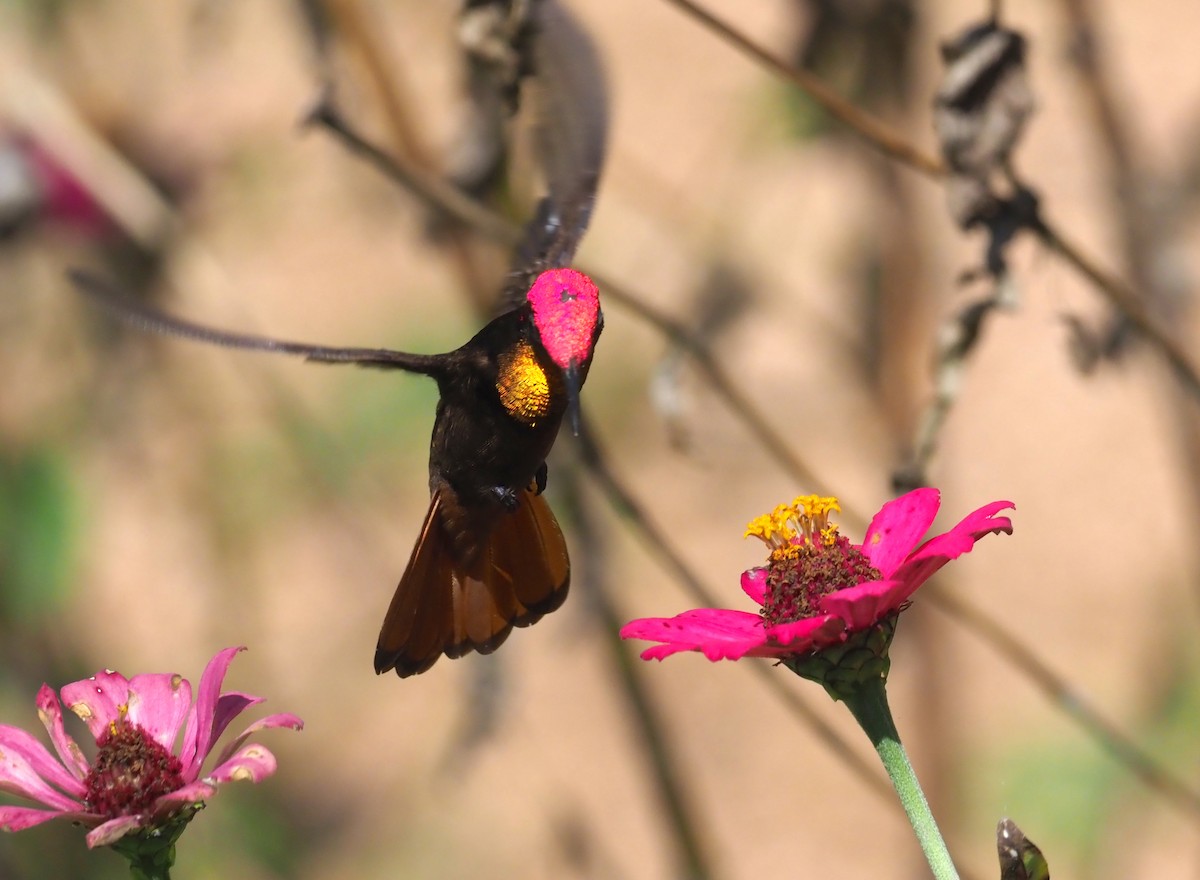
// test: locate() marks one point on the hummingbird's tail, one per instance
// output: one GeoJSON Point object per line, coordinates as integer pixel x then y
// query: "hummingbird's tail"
{"type": "Point", "coordinates": [446, 604]}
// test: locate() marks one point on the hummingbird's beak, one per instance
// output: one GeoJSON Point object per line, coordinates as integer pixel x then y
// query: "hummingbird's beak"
{"type": "Point", "coordinates": [573, 383]}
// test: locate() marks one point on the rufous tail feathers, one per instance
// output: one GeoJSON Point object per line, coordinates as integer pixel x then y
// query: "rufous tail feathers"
{"type": "Point", "coordinates": [452, 600]}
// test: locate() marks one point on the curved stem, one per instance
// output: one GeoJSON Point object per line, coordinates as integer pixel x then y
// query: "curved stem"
{"type": "Point", "coordinates": [139, 871]}
{"type": "Point", "coordinates": [148, 860]}
{"type": "Point", "coordinates": [869, 706]}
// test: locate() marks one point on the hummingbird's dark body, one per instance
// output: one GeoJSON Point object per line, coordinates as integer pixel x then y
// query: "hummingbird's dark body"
{"type": "Point", "coordinates": [478, 442]}
{"type": "Point", "coordinates": [490, 555]}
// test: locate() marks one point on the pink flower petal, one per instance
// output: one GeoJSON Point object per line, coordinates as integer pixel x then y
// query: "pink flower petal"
{"type": "Point", "coordinates": [754, 584]}
{"type": "Point", "coordinates": [50, 712]}
{"type": "Point", "coordinates": [864, 605]}
{"type": "Point", "coordinates": [24, 765]}
{"type": "Point", "coordinates": [98, 700]}
{"type": "Point", "coordinates": [939, 550]}
{"type": "Point", "coordinates": [253, 763]}
{"type": "Point", "coordinates": [20, 818]}
{"type": "Point", "coordinates": [280, 719]}
{"type": "Point", "coordinates": [802, 636]}
{"type": "Point", "coordinates": [897, 528]}
{"type": "Point", "coordinates": [717, 633]}
{"type": "Point", "coordinates": [198, 738]}
{"type": "Point", "coordinates": [230, 706]}
{"type": "Point", "coordinates": [193, 792]}
{"type": "Point", "coordinates": [113, 830]}
{"type": "Point", "coordinates": [158, 703]}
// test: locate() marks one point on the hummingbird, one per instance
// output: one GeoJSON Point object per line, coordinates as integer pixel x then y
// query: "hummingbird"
{"type": "Point", "coordinates": [490, 555]}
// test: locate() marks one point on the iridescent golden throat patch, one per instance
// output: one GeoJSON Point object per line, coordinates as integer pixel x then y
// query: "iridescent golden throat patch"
{"type": "Point", "coordinates": [523, 385]}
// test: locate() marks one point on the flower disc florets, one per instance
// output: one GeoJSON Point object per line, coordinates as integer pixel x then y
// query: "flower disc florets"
{"type": "Point", "coordinates": [809, 559]}
{"type": "Point", "coordinates": [131, 772]}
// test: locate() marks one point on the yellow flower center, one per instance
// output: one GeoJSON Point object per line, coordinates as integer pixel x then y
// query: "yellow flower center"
{"type": "Point", "coordinates": [789, 526]}
{"type": "Point", "coordinates": [808, 558]}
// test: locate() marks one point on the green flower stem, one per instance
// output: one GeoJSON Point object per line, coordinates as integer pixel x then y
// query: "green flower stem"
{"type": "Point", "coordinates": [868, 703]}
{"type": "Point", "coordinates": [149, 871]}
{"type": "Point", "coordinates": [147, 862]}
{"type": "Point", "coordinates": [151, 851]}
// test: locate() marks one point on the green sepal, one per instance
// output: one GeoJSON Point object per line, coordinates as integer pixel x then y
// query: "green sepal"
{"type": "Point", "coordinates": [151, 851]}
{"type": "Point", "coordinates": [843, 668]}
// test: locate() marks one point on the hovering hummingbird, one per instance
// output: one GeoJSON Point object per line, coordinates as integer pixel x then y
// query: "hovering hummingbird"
{"type": "Point", "coordinates": [490, 555]}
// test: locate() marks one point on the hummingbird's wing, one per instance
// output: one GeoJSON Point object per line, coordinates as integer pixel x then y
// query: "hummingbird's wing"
{"type": "Point", "coordinates": [457, 597]}
{"type": "Point", "coordinates": [570, 140]}
{"type": "Point", "coordinates": [140, 314]}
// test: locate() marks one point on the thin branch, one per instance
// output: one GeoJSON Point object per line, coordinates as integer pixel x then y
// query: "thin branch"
{"type": "Point", "coordinates": [36, 107]}
{"type": "Point", "coordinates": [1127, 301]}
{"type": "Point", "coordinates": [678, 809]}
{"type": "Point", "coordinates": [877, 133]}
{"type": "Point", "coordinates": [1110, 738]}
{"type": "Point", "coordinates": [362, 31]}
{"type": "Point", "coordinates": [894, 145]}
{"type": "Point", "coordinates": [432, 190]}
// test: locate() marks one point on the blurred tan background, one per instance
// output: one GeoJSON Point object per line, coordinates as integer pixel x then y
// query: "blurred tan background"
{"type": "Point", "coordinates": [164, 499]}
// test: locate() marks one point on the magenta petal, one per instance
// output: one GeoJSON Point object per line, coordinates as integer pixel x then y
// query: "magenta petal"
{"type": "Point", "coordinates": [939, 550]}
{"type": "Point", "coordinates": [113, 830]}
{"type": "Point", "coordinates": [20, 818]}
{"type": "Point", "coordinates": [25, 746]}
{"type": "Point", "coordinates": [754, 584]}
{"type": "Point", "coordinates": [25, 767]}
{"type": "Point", "coordinates": [718, 634]}
{"type": "Point", "coordinates": [253, 763]}
{"type": "Point", "coordinates": [279, 719]}
{"type": "Point", "coordinates": [198, 736]}
{"type": "Point", "coordinates": [864, 605]}
{"type": "Point", "coordinates": [661, 652]}
{"type": "Point", "coordinates": [802, 636]}
{"type": "Point", "coordinates": [158, 703]}
{"type": "Point", "coordinates": [193, 792]}
{"type": "Point", "coordinates": [98, 700]}
{"type": "Point", "coordinates": [50, 712]}
{"type": "Point", "coordinates": [897, 528]}
{"type": "Point", "coordinates": [230, 706]}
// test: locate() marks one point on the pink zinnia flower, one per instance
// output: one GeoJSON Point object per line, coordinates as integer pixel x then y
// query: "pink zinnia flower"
{"type": "Point", "coordinates": [817, 588]}
{"type": "Point", "coordinates": [137, 779]}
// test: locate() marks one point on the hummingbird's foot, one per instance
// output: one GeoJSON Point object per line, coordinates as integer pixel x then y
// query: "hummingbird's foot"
{"type": "Point", "coordinates": [539, 479]}
{"type": "Point", "coordinates": [507, 497]}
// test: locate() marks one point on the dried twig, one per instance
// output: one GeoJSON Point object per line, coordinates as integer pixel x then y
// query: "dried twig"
{"type": "Point", "coordinates": [360, 30]}
{"type": "Point", "coordinates": [679, 810]}
{"type": "Point", "coordinates": [878, 134]}
{"type": "Point", "coordinates": [894, 145]}
{"type": "Point", "coordinates": [1109, 737]}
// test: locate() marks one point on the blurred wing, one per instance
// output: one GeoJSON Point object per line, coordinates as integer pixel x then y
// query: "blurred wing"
{"type": "Point", "coordinates": [145, 317]}
{"type": "Point", "coordinates": [453, 602]}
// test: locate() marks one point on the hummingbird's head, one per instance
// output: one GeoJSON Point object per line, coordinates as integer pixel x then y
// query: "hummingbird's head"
{"type": "Point", "coordinates": [566, 315]}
